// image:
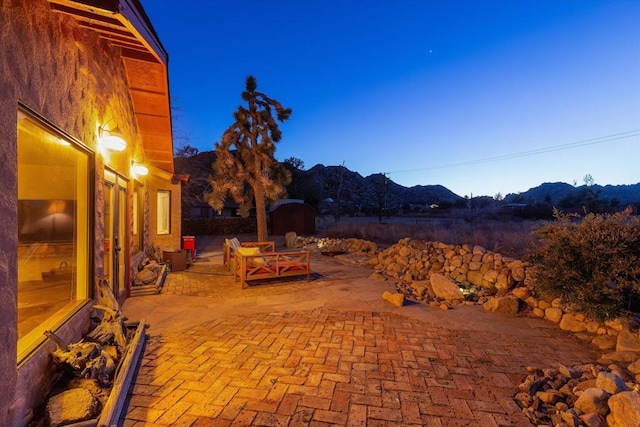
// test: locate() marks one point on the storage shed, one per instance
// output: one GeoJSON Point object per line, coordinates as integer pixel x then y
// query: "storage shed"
{"type": "Point", "coordinates": [298, 217]}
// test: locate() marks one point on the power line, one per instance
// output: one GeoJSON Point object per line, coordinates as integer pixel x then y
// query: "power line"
{"type": "Point", "coordinates": [584, 142]}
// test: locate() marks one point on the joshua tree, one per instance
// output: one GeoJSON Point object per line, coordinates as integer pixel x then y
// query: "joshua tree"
{"type": "Point", "coordinates": [245, 167]}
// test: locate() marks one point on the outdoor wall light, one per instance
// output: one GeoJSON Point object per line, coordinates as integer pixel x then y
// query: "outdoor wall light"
{"type": "Point", "coordinates": [139, 169]}
{"type": "Point", "coordinates": [112, 140]}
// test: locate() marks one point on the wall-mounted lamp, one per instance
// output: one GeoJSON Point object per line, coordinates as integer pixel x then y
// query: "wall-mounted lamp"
{"type": "Point", "coordinates": [112, 140]}
{"type": "Point", "coordinates": [139, 169]}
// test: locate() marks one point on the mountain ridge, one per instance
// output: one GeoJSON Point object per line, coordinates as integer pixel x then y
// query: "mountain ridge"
{"type": "Point", "coordinates": [323, 186]}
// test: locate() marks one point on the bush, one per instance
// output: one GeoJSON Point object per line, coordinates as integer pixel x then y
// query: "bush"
{"type": "Point", "coordinates": [592, 263]}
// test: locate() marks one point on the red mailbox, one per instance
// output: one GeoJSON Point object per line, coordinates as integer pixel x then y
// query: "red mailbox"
{"type": "Point", "coordinates": [189, 243]}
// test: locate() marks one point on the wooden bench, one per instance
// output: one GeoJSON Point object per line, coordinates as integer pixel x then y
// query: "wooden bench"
{"type": "Point", "coordinates": [271, 265]}
{"type": "Point", "coordinates": [228, 252]}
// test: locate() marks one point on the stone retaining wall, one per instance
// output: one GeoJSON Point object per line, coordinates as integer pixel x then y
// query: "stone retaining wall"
{"type": "Point", "coordinates": [414, 260]}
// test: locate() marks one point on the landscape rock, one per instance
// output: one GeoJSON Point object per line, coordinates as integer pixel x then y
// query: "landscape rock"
{"type": "Point", "coordinates": [619, 357]}
{"type": "Point", "coordinates": [610, 382]}
{"type": "Point", "coordinates": [604, 342]}
{"type": "Point", "coordinates": [553, 314]}
{"type": "Point", "coordinates": [570, 323]}
{"type": "Point", "coordinates": [522, 292]}
{"type": "Point", "coordinates": [445, 288]}
{"type": "Point", "coordinates": [502, 305]}
{"type": "Point", "coordinates": [377, 276]}
{"type": "Point", "coordinates": [71, 406]}
{"type": "Point", "coordinates": [625, 409]}
{"type": "Point", "coordinates": [634, 367]}
{"type": "Point", "coordinates": [628, 341]}
{"type": "Point", "coordinates": [396, 299]}
{"type": "Point", "coordinates": [593, 400]}
{"type": "Point", "coordinates": [593, 420]}
{"type": "Point", "coordinates": [290, 239]}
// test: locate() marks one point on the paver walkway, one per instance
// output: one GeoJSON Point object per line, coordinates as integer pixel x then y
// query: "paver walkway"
{"type": "Point", "coordinates": [329, 352]}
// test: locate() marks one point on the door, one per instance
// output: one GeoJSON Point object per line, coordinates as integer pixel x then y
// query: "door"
{"type": "Point", "coordinates": [115, 240]}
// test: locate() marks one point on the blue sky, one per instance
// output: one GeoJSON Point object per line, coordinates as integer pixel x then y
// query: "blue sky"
{"type": "Point", "coordinates": [483, 97]}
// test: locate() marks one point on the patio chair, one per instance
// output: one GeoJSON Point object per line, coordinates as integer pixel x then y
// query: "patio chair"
{"type": "Point", "coordinates": [231, 245]}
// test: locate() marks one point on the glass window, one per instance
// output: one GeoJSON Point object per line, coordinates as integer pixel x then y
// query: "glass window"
{"type": "Point", "coordinates": [53, 229]}
{"type": "Point", "coordinates": [138, 218]}
{"type": "Point", "coordinates": [164, 211]}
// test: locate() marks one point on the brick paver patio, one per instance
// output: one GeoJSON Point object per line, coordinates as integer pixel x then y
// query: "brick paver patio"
{"type": "Point", "coordinates": [324, 366]}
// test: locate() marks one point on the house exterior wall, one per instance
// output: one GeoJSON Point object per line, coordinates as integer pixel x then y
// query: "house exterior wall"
{"type": "Point", "coordinates": [65, 74]}
{"type": "Point", "coordinates": [162, 181]}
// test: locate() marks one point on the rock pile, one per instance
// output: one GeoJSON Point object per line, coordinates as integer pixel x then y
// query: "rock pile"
{"type": "Point", "coordinates": [354, 246]}
{"type": "Point", "coordinates": [586, 395]}
{"type": "Point", "coordinates": [474, 266]}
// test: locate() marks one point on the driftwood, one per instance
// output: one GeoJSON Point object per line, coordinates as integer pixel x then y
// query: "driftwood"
{"type": "Point", "coordinates": [111, 329]}
{"type": "Point", "coordinates": [87, 359]}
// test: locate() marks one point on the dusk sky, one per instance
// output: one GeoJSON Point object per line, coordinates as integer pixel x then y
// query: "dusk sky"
{"type": "Point", "coordinates": [482, 97]}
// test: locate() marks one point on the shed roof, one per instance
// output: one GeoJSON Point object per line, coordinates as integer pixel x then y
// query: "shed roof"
{"type": "Point", "coordinates": [124, 23]}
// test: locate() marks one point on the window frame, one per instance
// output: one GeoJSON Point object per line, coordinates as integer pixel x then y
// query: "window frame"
{"type": "Point", "coordinates": [35, 338]}
{"type": "Point", "coordinates": [163, 204]}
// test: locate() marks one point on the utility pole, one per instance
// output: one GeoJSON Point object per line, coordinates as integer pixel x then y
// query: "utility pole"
{"type": "Point", "coordinates": [384, 174]}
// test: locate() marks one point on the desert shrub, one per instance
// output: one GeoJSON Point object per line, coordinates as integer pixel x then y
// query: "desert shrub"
{"type": "Point", "coordinates": [593, 263]}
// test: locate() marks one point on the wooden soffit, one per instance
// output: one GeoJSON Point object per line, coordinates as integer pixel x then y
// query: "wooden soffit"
{"type": "Point", "coordinates": [123, 23]}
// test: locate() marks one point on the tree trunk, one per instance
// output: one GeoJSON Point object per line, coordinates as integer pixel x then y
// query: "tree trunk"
{"type": "Point", "coordinates": [261, 214]}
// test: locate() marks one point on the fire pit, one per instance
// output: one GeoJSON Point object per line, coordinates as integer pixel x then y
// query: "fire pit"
{"type": "Point", "coordinates": [332, 253]}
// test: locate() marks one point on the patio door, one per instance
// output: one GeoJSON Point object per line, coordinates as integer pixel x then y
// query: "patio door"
{"type": "Point", "coordinates": [115, 237]}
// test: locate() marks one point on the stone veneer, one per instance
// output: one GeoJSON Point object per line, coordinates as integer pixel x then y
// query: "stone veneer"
{"type": "Point", "coordinates": [67, 75]}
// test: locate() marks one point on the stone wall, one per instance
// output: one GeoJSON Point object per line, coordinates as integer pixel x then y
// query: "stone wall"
{"type": "Point", "coordinates": [414, 260]}
{"type": "Point", "coordinates": [67, 75]}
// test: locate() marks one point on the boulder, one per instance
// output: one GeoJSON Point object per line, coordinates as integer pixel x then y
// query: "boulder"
{"type": "Point", "coordinates": [604, 342]}
{"type": "Point", "coordinates": [571, 324]}
{"type": "Point", "coordinates": [593, 420]}
{"type": "Point", "coordinates": [625, 409]}
{"type": "Point", "coordinates": [521, 292]}
{"type": "Point", "coordinates": [518, 274]}
{"type": "Point", "coordinates": [593, 400]}
{"type": "Point", "coordinates": [445, 288]}
{"type": "Point", "coordinates": [290, 239]}
{"type": "Point", "coordinates": [628, 341]}
{"type": "Point", "coordinates": [475, 277]}
{"type": "Point", "coordinates": [619, 357]}
{"type": "Point", "coordinates": [71, 406]}
{"type": "Point", "coordinates": [394, 299]}
{"type": "Point", "coordinates": [634, 367]}
{"type": "Point", "coordinates": [377, 276]}
{"type": "Point", "coordinates": [504, 281]}
{"type": "Point", "coordinates": [553, 314]}
{"type": "Point", "coordinates": [610, 382]}
{"type": "Point", "coordinates": [502, 305]}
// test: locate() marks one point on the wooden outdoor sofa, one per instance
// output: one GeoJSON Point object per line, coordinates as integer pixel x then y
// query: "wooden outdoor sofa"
{"type": "Point", "coordinates": [230, 245]}
{"type": "Point", "coordinates": [271, 265]}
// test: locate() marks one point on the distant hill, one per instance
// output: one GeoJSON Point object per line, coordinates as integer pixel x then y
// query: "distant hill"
{"type": "Point", "coordinates": [322, 186]}
{"type": "Point", "coordinates": [555, 192]}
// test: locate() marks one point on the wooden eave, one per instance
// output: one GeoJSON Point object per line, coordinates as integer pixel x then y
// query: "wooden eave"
{"type": "Point", "coordinates": [124, 24]}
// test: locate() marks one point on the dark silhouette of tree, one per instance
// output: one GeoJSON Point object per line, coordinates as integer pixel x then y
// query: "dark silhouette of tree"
{"type": "Point", "coordinates": [245, 167]}
{"type": "Point", "coordinates": [186, 151]}
{"type": "Point", "coordinates": [295, 167]}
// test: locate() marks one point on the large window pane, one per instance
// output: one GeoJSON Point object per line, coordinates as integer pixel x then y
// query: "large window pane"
{"type": "Point", "coordinates": [53, 229]}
